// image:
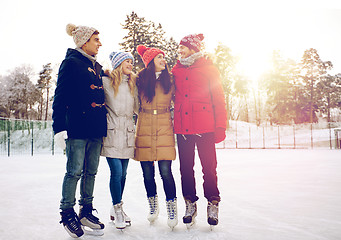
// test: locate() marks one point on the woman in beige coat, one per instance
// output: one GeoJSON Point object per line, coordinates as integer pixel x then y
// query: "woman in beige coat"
{"type": "Point", "coordinates": [154, 134]}
{"type": "Point", "coordinates": [121, 102]}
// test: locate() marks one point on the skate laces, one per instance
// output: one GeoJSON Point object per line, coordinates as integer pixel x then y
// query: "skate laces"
{"type": "Point", "coordinates": [87, 213]}
{"type": "Point", "coordinates": [190, 208]}
{"type": "Point", "coordinates": [171, 209]}
{"type": "Point", "coordinates": [212, 210]}
{"type": "Point", "coordinates": [152, 204]}
{"type": "Point", "coordinates": [72, 221]}
{"type": "Point", "coordinates": [119, 213]}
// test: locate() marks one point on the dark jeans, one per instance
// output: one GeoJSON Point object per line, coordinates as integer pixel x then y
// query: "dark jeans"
{"type": "Point", "coordinates": [207, 154]}
{"type": "Point", "coordinates": [165, 168]}
{"type": "Point", "coordinates": [82, 163]}
{"type": "Point", "coordinates": [118, 173]}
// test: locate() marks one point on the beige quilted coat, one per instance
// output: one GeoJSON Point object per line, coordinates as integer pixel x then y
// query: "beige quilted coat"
{"type": "Point", "coordinates": [154, 132]}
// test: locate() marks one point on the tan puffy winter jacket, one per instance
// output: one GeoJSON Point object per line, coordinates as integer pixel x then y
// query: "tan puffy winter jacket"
{"type": "Point", "coordinates": [154, 133]}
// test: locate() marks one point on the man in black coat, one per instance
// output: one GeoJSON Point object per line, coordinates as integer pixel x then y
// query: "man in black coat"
{"type": "Point", "coordinates": [79, 124]}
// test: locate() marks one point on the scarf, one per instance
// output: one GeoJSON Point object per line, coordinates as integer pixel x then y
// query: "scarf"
{"type": "Point", "coordinates": [91, 58]}
{"type": "Point", "coordinates": [191, 59]}
{"type": "Point", "coordinates": [125, 78]}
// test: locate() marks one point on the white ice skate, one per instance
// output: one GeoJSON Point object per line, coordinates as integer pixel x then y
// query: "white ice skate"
{"type": "Point", "coordinates": [172, 213]}
{"type": "Point", "coordinates": [153, 209]}
{"type": "Point", "coordinates": [127, 218]}
{"type": "Point", "coordinates": [118, 216]}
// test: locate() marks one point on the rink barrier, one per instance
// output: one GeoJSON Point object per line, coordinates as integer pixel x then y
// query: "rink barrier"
{"type": "Point", "coordinates": [29, 137]}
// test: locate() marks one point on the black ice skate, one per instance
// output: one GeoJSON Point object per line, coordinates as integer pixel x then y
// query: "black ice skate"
{"type": "Point", "coordinates": [90, 224]}
{"type": "Point", "coordinates": [190, 214]}
{"type": "Point", "coordinates": [71, 223]}
{"type": "Point", "coordinates": [212, 213]}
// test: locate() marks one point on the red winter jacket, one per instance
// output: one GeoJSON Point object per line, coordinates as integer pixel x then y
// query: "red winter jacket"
{"type": "Point", "coordinates": [199, 105]}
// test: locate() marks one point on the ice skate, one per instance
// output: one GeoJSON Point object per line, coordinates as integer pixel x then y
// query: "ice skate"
{"type": "Point", "coordinates": [212, 213]}
{"type": "Point", "coordinates": [90, 224]}
{"type": "Point", "coordinates": [172, 213]}
{"type": "Point", "coordinates": [118, 216]}
{"type": "Point", "coordinates": [153, 208]}
{"type": "Point", "coordinates": [127, 218]}
{"type": "Point", "coordinates": [71, 223]}
{"type": "Point", "coordinates": [190, 214]}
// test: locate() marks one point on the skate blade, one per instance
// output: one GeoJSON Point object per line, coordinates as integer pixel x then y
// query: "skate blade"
{"type": "Point", "coordinates": [190, 225]}
{"type": "Point", "coordinates": [120, 227]}
{"type": "Point", "coordinates": [212, 227]}
{"type": "Point", "coordinates": [92, 232]}
{"type": "Point", "coordinates": [128, 223]}
{"type": "Point", "coordinates": [74, 235]}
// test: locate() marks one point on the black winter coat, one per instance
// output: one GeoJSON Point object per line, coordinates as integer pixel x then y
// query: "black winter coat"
{"type": "Point", "coordinates": [78, 105]}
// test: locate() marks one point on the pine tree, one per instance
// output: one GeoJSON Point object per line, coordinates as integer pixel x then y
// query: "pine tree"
{"type": "Point", "coordinates": [138, 34]}
{"type": "Point", "coordinates": [241, 87]}
{"type": "Point", "coordinates": [312, 69]}
{"type": "Point", "coordinates": [143, 32]}
{"type": "Point", "coordinates": [171, 52]}
{"type": "Point", "coordinates": [225, 62]}
{"type": "Point", "coordinates": [279, 84]}
{"type": "Point", "coordinates": [44, 85]}
{"type": "Point", "coordinates": [329, 94]}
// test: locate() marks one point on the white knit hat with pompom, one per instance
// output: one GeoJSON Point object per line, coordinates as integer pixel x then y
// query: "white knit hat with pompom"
{"type": "Point", "coordinates": [80, 34]}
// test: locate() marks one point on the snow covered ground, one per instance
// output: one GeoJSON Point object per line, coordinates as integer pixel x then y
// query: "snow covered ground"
{"type": "Point", "coordinates": [266, 195]}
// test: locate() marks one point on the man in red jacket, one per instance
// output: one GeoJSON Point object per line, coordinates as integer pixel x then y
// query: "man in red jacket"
{"type": "Point", "coordinates": [199, 120]}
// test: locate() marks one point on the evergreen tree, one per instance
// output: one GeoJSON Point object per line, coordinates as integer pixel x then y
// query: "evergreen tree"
{"type": "Point", "coordinates": [279, 84]}
{"type": "Point", "coordinates": [4, 106]}
{"type": "Point", "coordinates": [241, 86]}
{"type": "Point", "coordinates": [138, 34]}
{"type": "Point", "coordinates": [44, 85]}
{"type": "Point", "coordinates": [171, 52]}
{"type": "Point", "coordinates": [225, 62]}
{"type": "Point", "coordinates": [312, 69]}
{"type": "Point", "coordinates": [329, 94]}
{"type": "Point", "coordinates": [143, 32]}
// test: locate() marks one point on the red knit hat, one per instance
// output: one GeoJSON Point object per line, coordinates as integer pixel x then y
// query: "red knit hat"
{"type": "Point", "coordinates": [148, 54]}
{"type": "Point", "coordinates": [193, 41]}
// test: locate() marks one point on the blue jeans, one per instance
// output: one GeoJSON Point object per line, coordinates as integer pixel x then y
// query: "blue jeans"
{"type": "Point", "coordinates": [118, 172]}
{"type": "Point", "coordinates": [165, 168]}
{"type": "Point", "coordinates": [82, 163]}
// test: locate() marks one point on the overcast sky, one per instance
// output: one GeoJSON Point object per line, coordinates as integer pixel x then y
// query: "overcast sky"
{"type": "Point", "coordinates": [33, 31]}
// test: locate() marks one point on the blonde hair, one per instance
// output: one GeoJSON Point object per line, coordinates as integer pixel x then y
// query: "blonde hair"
{"type": "Point", "coordinates": [116, 79]}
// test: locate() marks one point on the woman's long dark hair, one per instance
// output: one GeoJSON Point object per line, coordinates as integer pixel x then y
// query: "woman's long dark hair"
{"type": "Point", "coordinates": [146, 81]}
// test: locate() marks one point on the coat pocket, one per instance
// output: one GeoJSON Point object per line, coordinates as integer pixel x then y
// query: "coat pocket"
{"type": "Point", "coordinates": [130, 136]}
{"type": "Point", "coordinates": [109, 140]}
{"type": "Point", "coordinates": [203, 117]}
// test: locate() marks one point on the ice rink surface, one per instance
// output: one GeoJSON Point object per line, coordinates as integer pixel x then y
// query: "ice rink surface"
{"type": "Point", "coordinates": [266, 195]}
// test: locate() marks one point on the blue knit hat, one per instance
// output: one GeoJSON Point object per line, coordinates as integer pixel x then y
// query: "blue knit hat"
{"type": "Point", "coordinates": [117, 58]}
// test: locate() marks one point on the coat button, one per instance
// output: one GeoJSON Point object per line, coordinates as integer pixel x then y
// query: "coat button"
{"type": "Point", "coordinates": [186, 95]}
{"type": "Point", "coordinates": [186, 78]}
{"type": "Point", "coordinates": [186, 113]}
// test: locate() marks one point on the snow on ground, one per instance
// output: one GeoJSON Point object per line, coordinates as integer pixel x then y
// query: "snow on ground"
{"type": "Point", "coordinates": [266, 195]}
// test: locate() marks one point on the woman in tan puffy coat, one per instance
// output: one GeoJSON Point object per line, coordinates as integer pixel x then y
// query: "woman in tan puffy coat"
{"type": "Point", "coordinates": [154, 134]}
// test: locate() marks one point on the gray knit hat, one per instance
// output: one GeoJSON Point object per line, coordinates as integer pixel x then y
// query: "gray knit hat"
{"type": "Point", "coordinates": [80, 34]}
